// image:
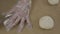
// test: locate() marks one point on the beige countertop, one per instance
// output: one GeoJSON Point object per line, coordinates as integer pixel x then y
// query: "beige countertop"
{"type": "Point", "coordinates": [39, 8]}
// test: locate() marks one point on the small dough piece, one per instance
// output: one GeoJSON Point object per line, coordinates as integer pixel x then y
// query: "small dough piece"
{"type": "Point", "coordinates": [53, 2]}
{"type": "Point", "coordinates": [46, 22]}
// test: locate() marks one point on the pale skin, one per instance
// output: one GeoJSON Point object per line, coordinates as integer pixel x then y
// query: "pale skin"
{"type": "Point", "coordinates": [19, 13]}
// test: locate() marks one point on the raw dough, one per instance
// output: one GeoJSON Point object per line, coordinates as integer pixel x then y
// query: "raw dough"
{"type": "Point", "coordinates": [46, 22]}
{"type": "Point", "coordinates": [53, 2]}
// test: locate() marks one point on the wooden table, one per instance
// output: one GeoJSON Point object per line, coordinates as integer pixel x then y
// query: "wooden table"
{"type": "Point", "coordinates": [39, 8]}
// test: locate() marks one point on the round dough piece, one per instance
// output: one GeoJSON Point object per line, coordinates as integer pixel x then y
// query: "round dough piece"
{"type": "Point", "coordinates": [53, 2]}
{"type": "Point", "coordinates": [46, 22]}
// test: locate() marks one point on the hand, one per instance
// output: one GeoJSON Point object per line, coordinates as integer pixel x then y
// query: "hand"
{"type": "Point", "coordinates": [19, 13]}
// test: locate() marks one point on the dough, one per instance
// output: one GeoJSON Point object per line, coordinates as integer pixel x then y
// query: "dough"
{"type": "Point", "coordinates": [46, 22]}
{"type": "Point", "coordinates": [53, 2]}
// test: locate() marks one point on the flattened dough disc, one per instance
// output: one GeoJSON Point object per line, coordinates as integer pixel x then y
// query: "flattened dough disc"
{"type": "Point", "coordinates": [46, 22]}
{"type": "Point", "coordinates": [53, 2]}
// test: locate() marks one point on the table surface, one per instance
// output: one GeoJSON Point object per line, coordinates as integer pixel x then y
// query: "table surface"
{"type": "Point", "coordinates": [39, 8]}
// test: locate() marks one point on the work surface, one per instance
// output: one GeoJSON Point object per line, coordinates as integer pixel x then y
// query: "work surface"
{"type": "Point", "coordinates": [39, 8]}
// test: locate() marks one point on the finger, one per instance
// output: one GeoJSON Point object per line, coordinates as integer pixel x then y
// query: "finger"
{"type": "Point", "coordinates": [5, 21]}
{"type": "Point", "coordinates": [9, 22]}
{"type": "Point", "coordinates": [13, 24]}
{"type": "Point", "coordinates": [11, 19]}
{"type": "Point", "coordinates": [8, 15]}
{"type": "Point", "coordinates": [5, 24]}
{"type": "Point", "coordinates": [29, 25]}
{"type": "Point", "coordinates": [21, 25]}
{"type": "Point", "coordinates": [16, 21]}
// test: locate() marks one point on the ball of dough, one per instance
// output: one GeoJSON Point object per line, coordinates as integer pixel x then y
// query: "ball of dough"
{"type": "Point", "coordinates": [53, 2]}
{"type": "Point", "coordinates": [46, 22]}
